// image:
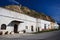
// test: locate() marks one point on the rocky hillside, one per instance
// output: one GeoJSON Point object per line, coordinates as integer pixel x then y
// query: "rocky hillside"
{"type": "Point", "coordinates": [27, 11]}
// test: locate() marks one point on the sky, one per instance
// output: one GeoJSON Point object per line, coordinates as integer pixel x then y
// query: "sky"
{"type": "Point", "coordinates": [48, 7]}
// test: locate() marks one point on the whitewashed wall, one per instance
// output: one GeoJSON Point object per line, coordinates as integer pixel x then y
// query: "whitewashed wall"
{"type": "Point", "coordinates": [42, 23]}
{"type": "Point", "coordinates": [56, 26]}
{"type": "Point", "coordinates": [6, 16]}
{"type": "Point", "coordinates": [22, 26]}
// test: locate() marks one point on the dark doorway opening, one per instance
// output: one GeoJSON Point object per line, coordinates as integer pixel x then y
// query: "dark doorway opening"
{"type": "Point", "coordinates": [15, 28]}
{"type": "Point", "coordinates": [38, 29]}
{"type": "Point", "coordinates": [32, 28]}
{"type": "Point", "coordinates": [45, 26]}
{"type": "Point", "coordinates": [15, 24]}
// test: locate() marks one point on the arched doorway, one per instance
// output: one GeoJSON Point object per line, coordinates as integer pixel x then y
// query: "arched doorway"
{"type": "Point", "coordinates": [38, 29]}
{"type": "Point", "coordinates": [32, 28]}
{"type": "Point", "coordinates": [15, 28]}
{"type": "Point", "coordinates": [45, 26]}
{"type": "Point", "coordinates": [15, 24]}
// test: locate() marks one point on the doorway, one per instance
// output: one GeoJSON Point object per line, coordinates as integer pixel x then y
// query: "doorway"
{"type": "Point", "coordinates": [45, 26]}
{"type": "Point", "coordinates": [15, 25]}
{"type": "Point", "coordinates": [15, 28]}
{"type": "Point", "coordinates": [32, 28]}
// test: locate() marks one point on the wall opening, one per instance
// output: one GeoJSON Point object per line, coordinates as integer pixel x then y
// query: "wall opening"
{"type": "Point", "coordinates": [3, 27]}
{"type": "Point", "coordinates": [26, 27]}
{"type": "Point", "coordinates": [32, 28]}
{"type": "Point", "coordinates": [15, 24]}
{"type": "Point", "coordinates": [38, 29]}
{"type": "Point", "coordinates": [15, 28]}
{"type": "Point", "coordinates": [45, 26]}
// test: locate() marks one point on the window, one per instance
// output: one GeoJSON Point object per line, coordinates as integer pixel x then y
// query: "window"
{"type": "Point", "coordinates": [48, 25]}
{"type": "Point", "coordinates": [3, 26]}
{"type": "Point", "coordinates": [26, 27]}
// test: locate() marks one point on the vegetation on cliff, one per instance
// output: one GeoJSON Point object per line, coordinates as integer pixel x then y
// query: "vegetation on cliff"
{"type": "Point", "coordinates": [27, 11]}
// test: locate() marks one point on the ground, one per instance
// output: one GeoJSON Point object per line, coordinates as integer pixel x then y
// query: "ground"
{"type": "Point", "coordinates": [55, 35]}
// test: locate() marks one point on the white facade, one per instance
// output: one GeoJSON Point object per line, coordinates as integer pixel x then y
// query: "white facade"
{"type": "Point", "coordinates": [24, 22]}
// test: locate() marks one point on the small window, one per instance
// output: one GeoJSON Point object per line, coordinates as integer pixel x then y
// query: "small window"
{"type": "Point", "coordinates": [48, 25]}
{"type": "Point", "coordinates": [3, 26]}
{"type": "Point", "coordinates": [26, 27]}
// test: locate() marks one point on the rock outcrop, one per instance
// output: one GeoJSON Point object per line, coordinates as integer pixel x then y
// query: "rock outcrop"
{"type": "Point", "coordinates": [27, 11]}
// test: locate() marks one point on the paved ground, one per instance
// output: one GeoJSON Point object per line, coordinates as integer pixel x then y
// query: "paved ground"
{"type": "Point", "coordinates": [41, 36]}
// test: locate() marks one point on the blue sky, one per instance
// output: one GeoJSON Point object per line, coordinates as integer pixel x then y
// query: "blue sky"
{"type": "Point", "coordinates": [49, 7]}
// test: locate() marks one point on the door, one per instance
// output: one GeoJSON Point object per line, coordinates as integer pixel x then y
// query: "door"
{"type": "Point", "coordinates": [32, 28]}
{"type": "Point", "coordinates": [15, 28]}
{"type": "Point", "coordinates": [45, 26]}
{"type": "Point", "coordinates": [38, 29]}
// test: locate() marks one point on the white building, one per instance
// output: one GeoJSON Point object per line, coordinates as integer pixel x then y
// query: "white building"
{"type": "Point", "coordinates": [14, 22]}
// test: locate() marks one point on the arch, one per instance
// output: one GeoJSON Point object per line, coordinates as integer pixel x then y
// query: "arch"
{"type": "Point", "coordinates": [3, 26]}
{"type": "Point", "coordinates": [12, 23]}
{"type": "Point", "coordinates": [15, 24]}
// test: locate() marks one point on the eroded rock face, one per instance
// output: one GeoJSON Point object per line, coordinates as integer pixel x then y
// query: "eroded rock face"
{"type": "Point", "coordinates": [14, 8]}
{"type": "Point", "coordinates": [27, 11]}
